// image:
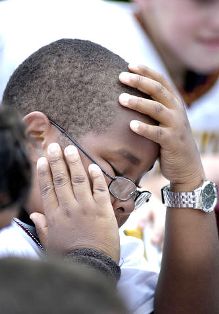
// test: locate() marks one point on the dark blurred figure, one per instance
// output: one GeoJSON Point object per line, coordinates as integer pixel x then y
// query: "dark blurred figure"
{"type": "Point", "coordinates": [15, 168]}
{"type": "Point", "coordinates": [55, 287]}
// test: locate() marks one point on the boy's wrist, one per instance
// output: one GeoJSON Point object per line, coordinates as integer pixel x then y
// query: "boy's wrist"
{"type": "Point", "coordinates": [187, 187]}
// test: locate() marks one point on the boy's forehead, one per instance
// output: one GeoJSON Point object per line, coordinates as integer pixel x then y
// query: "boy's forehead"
{"type": "Point", "coordinates": [120, 143]}
{"type": "Point", "coordinates": [126, 115]}
{"type": "Point", "coordinates": [120, 128]}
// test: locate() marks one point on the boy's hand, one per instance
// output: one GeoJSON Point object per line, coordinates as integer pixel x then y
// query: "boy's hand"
{"type": "Point", "coordinates": [179, 158]}
{"type": "Point", "coordinates": [76, 215]}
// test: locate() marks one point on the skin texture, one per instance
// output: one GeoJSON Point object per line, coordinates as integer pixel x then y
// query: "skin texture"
{"type": "Point", "coordinates": [191, 254]}
{"type": "Point", "coordinates": [186, 33]}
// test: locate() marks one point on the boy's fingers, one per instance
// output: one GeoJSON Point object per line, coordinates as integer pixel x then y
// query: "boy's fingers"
{"type": "Point", "coordinates": [41, 226]}
{"type": "Point", "coordinates": [154, 133]}
{"type": "Point", "coordinates": [60, 175]}
{"type": "Point", "coordinates": [100, 188]}
{"type": "Point", "coordinates": [147, 72]}
{"type": "Point", "coordinates": [79, 179]}
{"type": "Point", "coordinates": [154, 109]}
{"type": "Point", "coordinates": [46, 185]}
{"type": "Point", "coordinates": [151, 87]}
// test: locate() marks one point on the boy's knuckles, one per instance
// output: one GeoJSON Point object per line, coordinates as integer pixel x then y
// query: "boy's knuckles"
{"type": "Point", "coordinates": [60, 179]}
{"type": "Point", "coordinates": [158, 88]}
{"type": "Point", "coordinates": [100, 188]}
{"type": "Point", "coordinates": [137, 81]}
{"type": "Point", "coordinates": [78, 179]}
{"type": "Point", "coordinates": [158, 107]}
{"type": "Point", "coordinates": [163, 92]}
{"type": "Point", "coordinates": [159, 135]}
{"type": "Point", "coordinates": [136, 102]}
{"type": "Point", "coordinates": [46, 189]}
{"type": "Point", "coordinates": [42, 172]}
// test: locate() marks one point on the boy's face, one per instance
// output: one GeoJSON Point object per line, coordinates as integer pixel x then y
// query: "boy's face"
{"type": "Point", "coordinates": [188, 30]}
{"type": "Point", "coordinates": [118, 151]}
{"type": "Point", "coordinates": [121, 152]}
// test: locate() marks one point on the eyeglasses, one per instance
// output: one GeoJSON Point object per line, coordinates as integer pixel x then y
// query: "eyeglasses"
{"type": "Point", "coordinates": [120, 187]}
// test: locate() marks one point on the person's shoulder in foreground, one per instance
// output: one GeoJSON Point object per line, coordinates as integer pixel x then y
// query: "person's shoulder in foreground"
{"type": "Point", "coordinates": [56, 287]}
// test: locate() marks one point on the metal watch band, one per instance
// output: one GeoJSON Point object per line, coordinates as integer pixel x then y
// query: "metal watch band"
{"type": "Point", "coordinates": [181, 199]}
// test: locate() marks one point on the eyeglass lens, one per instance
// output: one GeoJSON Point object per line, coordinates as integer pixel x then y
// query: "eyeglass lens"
{"type": "Point", "coordinates": [123, 189]}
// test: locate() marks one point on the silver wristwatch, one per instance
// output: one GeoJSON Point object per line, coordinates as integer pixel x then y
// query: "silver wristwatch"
{"type": "Point", "coordinates": [203, 198]}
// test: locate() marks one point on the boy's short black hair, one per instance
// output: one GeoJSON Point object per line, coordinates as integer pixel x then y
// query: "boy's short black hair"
{"type": "Point", "coordinates": [74, 82]}
{"type": "Point", "coordinates": [56, 287]}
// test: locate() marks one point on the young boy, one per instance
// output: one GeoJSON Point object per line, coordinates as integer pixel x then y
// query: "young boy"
{"type": "Point", "coordinates": [68, 93]}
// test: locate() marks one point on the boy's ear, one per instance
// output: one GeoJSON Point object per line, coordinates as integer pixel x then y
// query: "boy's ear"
{"type": "Point", "coordinates": [38, 128]}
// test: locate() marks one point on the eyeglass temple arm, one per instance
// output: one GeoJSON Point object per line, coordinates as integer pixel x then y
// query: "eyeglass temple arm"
{"type": "Point", "coordinates": [78, 146]}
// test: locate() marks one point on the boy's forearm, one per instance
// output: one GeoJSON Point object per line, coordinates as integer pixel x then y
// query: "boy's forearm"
{"type": "Point", "coordinates": [189, 278]}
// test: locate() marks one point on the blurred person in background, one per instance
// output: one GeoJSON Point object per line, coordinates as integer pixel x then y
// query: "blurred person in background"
{"type": "Point", "coordinates": [15, 168]}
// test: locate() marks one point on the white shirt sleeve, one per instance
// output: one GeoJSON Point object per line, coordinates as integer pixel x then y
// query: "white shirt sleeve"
{"type": "Point", "coordinates": [137, 283]}
{"type": "Point", "coordinates": [15, 242]}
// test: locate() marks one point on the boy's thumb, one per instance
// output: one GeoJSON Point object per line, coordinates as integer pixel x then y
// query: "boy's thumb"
{"type": "Point", "coordinates": [40, 223]}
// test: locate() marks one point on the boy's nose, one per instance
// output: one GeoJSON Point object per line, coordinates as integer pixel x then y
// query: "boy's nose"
{"type": "Point", "coordinates": [123, 207]}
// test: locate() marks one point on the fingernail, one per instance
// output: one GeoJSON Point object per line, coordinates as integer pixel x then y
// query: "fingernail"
{"type": "Point", "coordinates": [33, 216]}
{"type": "Point", "coordinates": [54, 149]}
{"type": "Point", "coordinates": [71, 150]}
{"type": "Point", "coordinates": [94, 169]}
{"type": "Point", "coordinates": [124, 99]}
{"type": "Point", "coordinates": [134, 125]}
{"type": "Point", "coordinates": [124, 77]}
{"type": "Point", "coordinates": [42, 163]}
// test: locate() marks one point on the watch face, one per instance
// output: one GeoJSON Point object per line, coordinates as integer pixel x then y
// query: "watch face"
{"type": "Point", "coordinates": [209, 197]}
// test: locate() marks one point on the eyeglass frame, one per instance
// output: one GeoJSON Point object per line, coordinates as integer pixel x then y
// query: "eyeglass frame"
{"type": "Point", "coordinates": [135, 194]}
